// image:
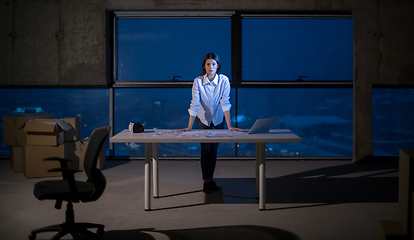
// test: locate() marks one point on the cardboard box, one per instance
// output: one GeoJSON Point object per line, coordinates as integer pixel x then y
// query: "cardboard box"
{"type": "Point", "coordinates": [72, 134]}
{"type": "Point", "coordinates": [16, 159]}
{"type": "Point", "coordinates": [13, 127]}
{"type": "Point", "coordinates": [405, 190]}
{"type": "Point", "coordinates": [44, 133]}
{"type": "Point", "coordinates": [81, 147]}
{"type": "Point", "coordinates": [35, 166]}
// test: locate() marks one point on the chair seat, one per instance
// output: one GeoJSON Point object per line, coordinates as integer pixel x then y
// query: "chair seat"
{"type": "Point", "coordinates": [59, 189]}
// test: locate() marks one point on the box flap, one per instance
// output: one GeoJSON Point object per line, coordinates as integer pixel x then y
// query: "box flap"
{"type": "Point", "coordinates": [64, 125]}
{"type": "Point", "coordinates": [72, 134]}
{"type": "Point", "coordinates": [33, 126]}
{"type": "Point", "coordinates": [47, 127]}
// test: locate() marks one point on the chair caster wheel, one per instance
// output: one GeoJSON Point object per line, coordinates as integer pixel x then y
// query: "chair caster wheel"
{"type": "Point", "coordinates": [32, 236]}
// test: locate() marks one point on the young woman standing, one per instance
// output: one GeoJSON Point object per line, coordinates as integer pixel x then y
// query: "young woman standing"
{"type": "Point", "coordinates": [210, 109]}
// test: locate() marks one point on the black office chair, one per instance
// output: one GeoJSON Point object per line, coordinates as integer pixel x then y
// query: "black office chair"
{"type": "Point", "coordinates": [72, 191]}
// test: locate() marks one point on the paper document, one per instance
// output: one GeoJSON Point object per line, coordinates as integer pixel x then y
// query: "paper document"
{"type": "Point", "coordinates": [219, 134]}
{"type": "Point", "coordinates": [189, 135]}
{"type": "Point", "coordinates": [166, 132]}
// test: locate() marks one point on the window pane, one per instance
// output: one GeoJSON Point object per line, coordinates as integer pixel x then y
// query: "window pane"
{"type": "Point", "coordinates": [321, 117]}
{"type": "Point", "coordinates": [161, 108]}
{"type": "Point", "coordinates": [91, 105]}
{"type": "Point", "coordinates": [159, 49]}
{"type": "Point", "coordinates": [284, 48]}
{"type": "Point", "coordinates": [392, 120]}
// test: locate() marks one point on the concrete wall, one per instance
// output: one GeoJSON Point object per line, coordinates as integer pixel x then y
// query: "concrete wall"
{"type": "Point", "coordinates": [383, 54]}
{"type": "Point", "coordinates": [52, 42]}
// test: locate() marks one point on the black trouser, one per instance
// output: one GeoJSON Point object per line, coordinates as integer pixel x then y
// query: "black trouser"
{"type": "Point", "coordinates": [208, 151]}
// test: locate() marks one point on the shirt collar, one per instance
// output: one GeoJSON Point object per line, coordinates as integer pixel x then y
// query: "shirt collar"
{"type": "Point", "coordinates": [206, 80]}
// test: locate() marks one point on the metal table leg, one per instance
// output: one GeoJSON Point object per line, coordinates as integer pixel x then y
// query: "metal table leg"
{"type": "Point", "coordinates": [262, 175]}
{"type": "Point", "coordinates": [155, 170]}
{"type": "Point", "coordinates": [147, 191]}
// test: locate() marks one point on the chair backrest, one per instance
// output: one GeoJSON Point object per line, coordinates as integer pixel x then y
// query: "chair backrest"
{"type": "Point", "coordinates": [95, 176]}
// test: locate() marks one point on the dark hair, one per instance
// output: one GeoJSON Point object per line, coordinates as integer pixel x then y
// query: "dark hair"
{"type": "Point", "coordinates": [207, 57]}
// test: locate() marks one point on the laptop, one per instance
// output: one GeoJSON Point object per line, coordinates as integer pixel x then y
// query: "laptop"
{"type": "Point", "coordinates": [262, 125]}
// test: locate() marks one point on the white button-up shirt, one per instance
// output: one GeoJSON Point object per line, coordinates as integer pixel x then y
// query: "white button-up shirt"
{"type": "Point", "coordinates": [210, 99]}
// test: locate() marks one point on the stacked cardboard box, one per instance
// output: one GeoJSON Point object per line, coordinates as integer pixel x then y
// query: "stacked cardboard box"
{"type": "Point", "coordinates": [46, 138]}
{"type": "Point", "coordinates": [34, 137]}
{"type": "Point", "coordinates": [75, 146]}
{"type": "Point", "coordinates": [15, 136]}
{"type": "Point", "coordinates": [67, 138]}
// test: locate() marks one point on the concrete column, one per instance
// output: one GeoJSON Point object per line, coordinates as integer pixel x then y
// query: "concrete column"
{"type": "Point", "coordinates": [6, 41]}
{"type": "Point", "coordinates": [366, 62]}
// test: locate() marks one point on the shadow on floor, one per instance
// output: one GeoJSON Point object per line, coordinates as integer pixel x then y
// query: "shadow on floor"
{"type": "Point", "coordinates": [349, 183]}
{"type": "Point", "coordinates": [213, 198]}
{"type": "Point", "coordinates": [217, 233]}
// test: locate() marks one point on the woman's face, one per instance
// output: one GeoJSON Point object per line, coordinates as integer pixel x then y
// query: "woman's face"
{"type": "Point", "coordinates": [211, 66]}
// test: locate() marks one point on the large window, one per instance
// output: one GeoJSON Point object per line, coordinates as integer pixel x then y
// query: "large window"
{"type": "Point", "coordinates": [263, 55]}
{"type": "Point", "coordinates": [282, 49]}
{"type": "Point", "coordinates": [157, 49]}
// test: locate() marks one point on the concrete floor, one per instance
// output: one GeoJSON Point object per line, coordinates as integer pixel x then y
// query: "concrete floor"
{"type": "Point", "coordinates": [311, 200]}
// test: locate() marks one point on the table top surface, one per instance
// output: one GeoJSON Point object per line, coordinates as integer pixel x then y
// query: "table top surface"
{"type": "Point", "coordinates": [203, 136]}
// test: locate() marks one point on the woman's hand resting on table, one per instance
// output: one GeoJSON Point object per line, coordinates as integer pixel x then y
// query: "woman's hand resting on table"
{"type": "Point", "coordinates": [185, 129]}
{"type": "Point", "coordinates": [235, 129]}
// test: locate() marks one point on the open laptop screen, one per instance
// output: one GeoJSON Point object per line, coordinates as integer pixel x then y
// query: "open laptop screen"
{"type": "Point", "coordinates": [262, 125]}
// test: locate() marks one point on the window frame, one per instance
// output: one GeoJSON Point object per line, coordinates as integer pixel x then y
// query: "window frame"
{"type": "Point", "coordinates": [155, 15]}
{"type": "Point", "coordinates": [236, 45]}
{"type": "Point", "coordinates": [236, 53]}
{"type": "Point", "coordinates": [239, 83]}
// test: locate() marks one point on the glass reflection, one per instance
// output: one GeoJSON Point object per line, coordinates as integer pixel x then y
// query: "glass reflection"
{"type": "Point", "coordinates": [321, 117]}
{"type": "Point", "coordinates": [392, 120]}
{"type": "Point", "coordinates": [159, 49]}
{"type": "Point", "coordinates": [283, 49]}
